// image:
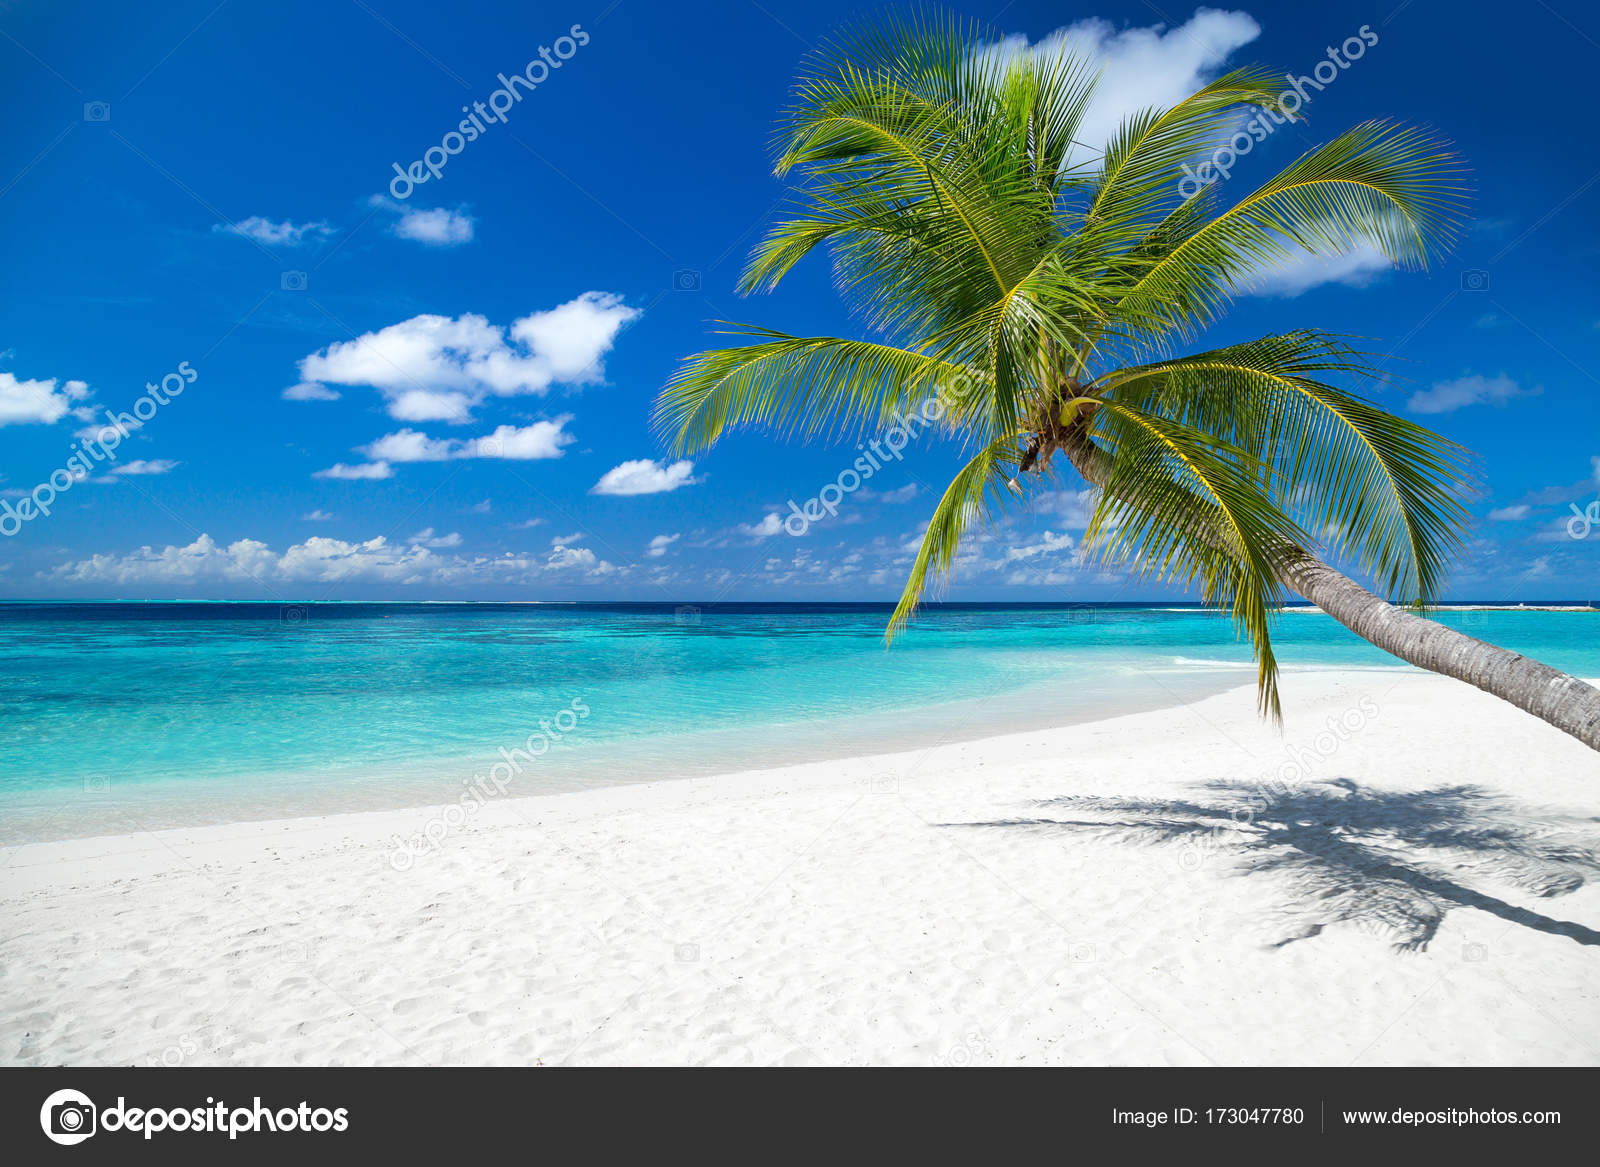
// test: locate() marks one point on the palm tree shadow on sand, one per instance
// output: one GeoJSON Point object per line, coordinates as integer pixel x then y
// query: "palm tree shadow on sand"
{"type": "Point", "coordinates": [1391, 862]}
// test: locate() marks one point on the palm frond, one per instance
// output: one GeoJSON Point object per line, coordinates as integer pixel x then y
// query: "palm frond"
{"type": "Point", "coordinates": [1393, 187]}
{"type": "Point", "coordinates": [796, 385]}
{"type": "Point", "coordinates": [1139, 179]}
{"type": "Point", "coordinates": [1179, 505]}
{"type": "Point", "coordinates": [1377, 486]}
{"type": "Point", "coordinates": [970, 498]}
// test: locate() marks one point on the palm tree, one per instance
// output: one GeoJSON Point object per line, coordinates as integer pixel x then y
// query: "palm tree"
{"type": "Point", "coordinates": [1041, 297]}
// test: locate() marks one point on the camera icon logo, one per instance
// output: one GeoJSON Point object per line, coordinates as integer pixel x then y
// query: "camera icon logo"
{"type": "Point", "coordinates": [686, 614]}
{"type": "Point", "coordinates": [97, 111]}
{"type": "Point", "coordinates": [295, 952]}
{"type": "Point", "coordinates": [1475, 280]}
{"type": "Point", "coordinates": [491, 448]}
{"type": "Point", "coordinates": [68, 1117]}
{"type": "Point", "coordinates": [685, 280]}
{"type": "Point", "coordinates": [292, 281]}
{"type": "Point", "coordinates": [1583, 522]}
{"type": "Point", "coordinates": [293, 616]}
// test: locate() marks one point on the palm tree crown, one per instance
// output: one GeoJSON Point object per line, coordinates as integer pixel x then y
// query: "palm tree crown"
{"type": "Point", "coordinates": [1048, 295]}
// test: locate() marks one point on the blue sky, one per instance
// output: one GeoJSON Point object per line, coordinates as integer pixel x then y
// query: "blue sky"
{"type": "Point", "coordinates": [445, 395]}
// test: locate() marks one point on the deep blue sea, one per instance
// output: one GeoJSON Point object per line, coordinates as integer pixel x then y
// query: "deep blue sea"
{"type": "Point", "coordinates": [119, 716]}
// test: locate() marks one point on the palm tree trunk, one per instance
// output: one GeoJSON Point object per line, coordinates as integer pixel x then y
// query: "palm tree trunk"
{"type": "Point", "coordinates": [1567, 703]}
{"type": "Point", "coordinates": [1564, 701]}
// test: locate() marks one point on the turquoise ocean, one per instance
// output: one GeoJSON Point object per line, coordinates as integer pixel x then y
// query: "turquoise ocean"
{"type": "Point", "coordinates": [117, 717]}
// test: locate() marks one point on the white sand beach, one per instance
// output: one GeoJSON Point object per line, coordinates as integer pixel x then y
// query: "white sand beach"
{"type": "Point", "coordinates": [1419, 886]}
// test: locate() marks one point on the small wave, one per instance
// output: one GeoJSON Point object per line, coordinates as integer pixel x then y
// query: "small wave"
{"type": "Point", "coordinates": [1190, 662]}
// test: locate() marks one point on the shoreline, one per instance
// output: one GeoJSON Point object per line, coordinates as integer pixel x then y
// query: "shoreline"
{"type": "Point", "coordinates": [345, 789]}
{"type": "Point", "coordinates": [506, 811]}
{"type": "Point", "coordinates": [276, 723]}
{"type": "Point", "coordinates": [1077, 895]}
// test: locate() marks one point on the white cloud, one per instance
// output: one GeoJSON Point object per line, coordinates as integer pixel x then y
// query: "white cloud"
{"type": "Point", "coordinates": [410, 446]}
{"type": "Point", "coordinates": [318, 516]}
{"type": "Point", "coordinates": [658, 545]}
{"type": "Point", "coordinates": [526, 525]}
{"type": "Point", "coordinates": [1509, 514]}
{"type": "Point", "coordinates": [317, 560]}
{"type": "Point", "coordinates": [356, 473]}
{"type": "Point", "coordinates": [563, 555]}
{"type": "Point", "coordinates": [1143, 67]}
{"type": "Point", "coordinates": [480, 508]}
{"type": "Point", "coordinates": [435, 227]}
{"type": "Point", "coordinates": [1073, 507]}
{"type": "Point", "coordinates": [1538, 569]}
{"type": "Point", "coordinates": [140, 467]}
{"type": "Point", "coordinates": [541, 439]}
{"type": "Point", "coordinates": [769, 526]}
{"type": "Point", "coordinates": [426, 538]}
{"type": "Point", "coordinates": [438, 368]}
{"type": "Point", "coordinates": [571, 338]}
{"type": "Point", "coordinates": [1445, 396]}
{"type": "Point", "coordinates": [310, 391]}
{"type": "Point", "coordinates": [270, 234]}
{"type": "Point", "coordinates": [429, 405]}
{"type": "Point", "coordinates": [1040, 577]}
{"type": "Point", "coordinates": [1048, 545]}
{"type": "Point", "coordinates": [39, 402]}
{"type": "Point", "coordinates": [644, 476]}
{"type": "Point", "coordinates": [201, 559]}
{"type": "Point", "coordinates": [900, 494]}
{"type": "Point", "coordinates": [574, 557]}
{"type": "Point", "coordinates": [1295, 274]}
